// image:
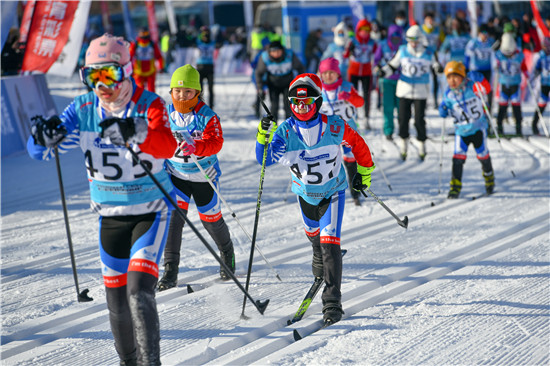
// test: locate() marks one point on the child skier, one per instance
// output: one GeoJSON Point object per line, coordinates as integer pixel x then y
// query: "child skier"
{"type": "Point", "coordinates": [144, 54]}
{"type": "Point", "coordinates": [415, 61]}
{"type": "Point", "coordinates": [462, 101]}
{"type": "Point", "coordinates": [340, 98]}
{"type": "Point", "coordinates": [479, 56]}
{"type": "Point", "coordinates": [190, 115]}
{"type": "Point", "coordinates": [385, 52]}
{"type": "Point", "coordinates": [133, 212]}
{"type": "Point", "coordinates": [510, 66]}
{"type": "Point", "coordinates": [542, 68]}
{"type": "Point", "coordinates": [360, 51]}
{"type": "Point", "coordinates": [309, 144]}
{"type": "Point", "coordinates": [337, 47]}
{"type": "Point", "coordinates": [205, 61]}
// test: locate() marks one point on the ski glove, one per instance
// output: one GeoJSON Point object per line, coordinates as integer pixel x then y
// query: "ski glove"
{"type": "Point", "coordinates": [379, 72]}
{"type": "Point", "coordinates": [119, 131]}
{"type": "Point", "coordinates": [344, 95]}
{"type": "Point", "coordinates": [263, 129]}
{"type": "Point", "coordinates": [443, 110]}
{"type": "Point", "coordinates": [48, 133]}
{"type": "Point", "coordinates": [361, 179]}
{"type": "Point", "coordinates": [436, 66]}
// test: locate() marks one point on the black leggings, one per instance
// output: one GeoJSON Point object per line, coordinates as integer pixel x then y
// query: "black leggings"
{"type": "Point", "coordinates": [366, 84]}
{"type": "Point", "coordinates": [404, 115]}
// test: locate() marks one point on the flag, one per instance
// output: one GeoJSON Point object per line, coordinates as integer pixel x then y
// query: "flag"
{"type": "Point", "coordinates": [541, 27]}
{"type": "Point", "coordinates": [153, 27]}
{"type": "Point", "coordinates": [55, 37]}
{"type": "Point", "coordinates": [411, 13]}
{"type": "Point", "coordinates": [357, 11]}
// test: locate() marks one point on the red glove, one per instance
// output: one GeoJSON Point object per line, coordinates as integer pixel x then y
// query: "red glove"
{"type": "Point", "coordinates": [187, 149]}
{"type": "Point", "coordinates": [344, 95]}
{"type": "Point", "coordinates": [482, 87]}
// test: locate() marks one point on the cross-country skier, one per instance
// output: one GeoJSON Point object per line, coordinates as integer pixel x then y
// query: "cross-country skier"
{"type": "Point", "coordinates": [462, 102]}
{"type": "Point", "coordinates": [205, 61]}
{"type": "Point", "coordinates": [510, 65]}
{"type": "Point", "coordinates": [360, 51]}
{"type": "Point", "coordinates": [144, 54]}
{"type": "Point", "coordinates": [416, 62]}
{"type": "Point", "coordinates": [309, 144]}
{"type": "Point", "coordinates": [340, 98]}
{"type": "Point", "coordinates": [190, 115]}
{"type": "Point", "coordinates": [542, 68]}
{"type": "Point", "coordinates": [133, 212]}
{"type": "Point", "coordinates": [337, 47]}
{"type": "Point", "coordinates": [279, 65]}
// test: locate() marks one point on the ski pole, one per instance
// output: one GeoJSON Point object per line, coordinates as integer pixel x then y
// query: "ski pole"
{"type": "Point", "coordinates": [258, 204]}
{"type": "Point", "coordinates": [531, 90]}
{"type": "Point", "coordinates": [261, 306]}
{"type": "Point", "coordinates": [441, 155]}
{"type": "Point", "coordinates": [381, 170]}
{"type": "Point", "coordinates": [194, 158]}
{"type": "Point", "coordinates": [492, 123]}
{"type": "Point", "coordinates": [80, 296]}
{"type": "Point", "coordinates": [403, 223]}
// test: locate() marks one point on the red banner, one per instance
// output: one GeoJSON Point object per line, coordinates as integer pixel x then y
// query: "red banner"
{"type": "Point", "coordinates": [541, 27]}
{"type": "Point", "coordinates": [411, 13]}
{"type": "Point", "coordinates": [48, 34]}
{"type": "Point", "coordinates": [26, 21]}
{"type": "Point", "coordinates": [153, 26]}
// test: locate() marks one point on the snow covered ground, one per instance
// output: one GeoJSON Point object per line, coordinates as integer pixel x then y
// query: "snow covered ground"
{"type": "Point", "coordinates": [467, 283]}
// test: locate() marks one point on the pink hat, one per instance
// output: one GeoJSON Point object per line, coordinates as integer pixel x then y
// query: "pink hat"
{"type": "Point", "coordinates": [108, 48]}
{"type": "Point", "coordinates": [329, 64]}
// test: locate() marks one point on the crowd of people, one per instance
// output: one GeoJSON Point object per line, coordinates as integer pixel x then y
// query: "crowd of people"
{"type": "Point", "coordinates": [319, 139]}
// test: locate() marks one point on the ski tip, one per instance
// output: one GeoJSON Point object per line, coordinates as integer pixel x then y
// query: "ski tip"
{"type": "Point", "coordinates": [296, 335]}
{"type": "Point", "coordinates": [432, 204]}
{"type": "Point", "coordinates": [190, 289]}
{"type": "Point", "coordinates": [279, 278]}
{"type": "Point", "coordinates": [343, 251]}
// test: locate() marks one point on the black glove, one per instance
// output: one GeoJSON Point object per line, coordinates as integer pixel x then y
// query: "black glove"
{"type": "Point", "coordinates": [124, 130]}
{"type": "Point", "coordinates": [266, 122]}
{"type": "Point", "coordinates": [48, 133]}
{"type": "Point", "coordinates": [261, 94]}
{"type": "Point", "coordinates": [379, 72]}
{"type": "Point", "coordinates": [437, 67]}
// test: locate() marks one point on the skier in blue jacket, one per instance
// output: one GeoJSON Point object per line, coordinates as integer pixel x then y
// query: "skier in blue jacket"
{"type": "Point", "coordinates": [308, 143]}
{"type": "Point", "coordinates": [462, 102]}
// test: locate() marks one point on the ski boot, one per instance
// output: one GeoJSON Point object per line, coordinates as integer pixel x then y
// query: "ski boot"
{"type": "Point", "coordinates": [456, 186]}
{"type": "Point", "coordinates": [170, 277]}
{"type": "Point", "coordinates": [228, 258]}
{"type": "Point", "coordinates": [404, 146]}
{"type": "Point", "coordinates": [422, 150]}
{"type": "Point", "coordinates": [489, 182]}
{"type": "Point", "coordinates": [332, 312]}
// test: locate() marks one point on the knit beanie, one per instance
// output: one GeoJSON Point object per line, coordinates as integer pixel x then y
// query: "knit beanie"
{"type": "Point", "coordinates": [186, 77]}
{"type": "Point", "coordinates": [108, 48]}
{"type": "Point", "coordinates": [329, 64]}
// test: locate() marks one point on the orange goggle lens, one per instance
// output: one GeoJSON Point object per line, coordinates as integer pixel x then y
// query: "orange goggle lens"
{"type": "Point", "coordinates": [108, 75]}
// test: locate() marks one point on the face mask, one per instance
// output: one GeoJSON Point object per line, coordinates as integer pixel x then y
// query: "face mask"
{"type": "Point", "coordinates": [400, 22]}
{"type": "Point", "coordinates": [429, 26]}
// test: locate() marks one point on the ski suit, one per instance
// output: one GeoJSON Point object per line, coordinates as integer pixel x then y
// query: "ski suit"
{"type": "Point", "coordinates": [337, 48]}
{"type": "Point", "coordinates": [204, 127]}
{"type": "Point", "coordinates": [360, 53]}
{"type": "Point", "coordinates": [279, 74]}
{"type": "Point", "coordinates": [388, 84]}
{"type": "Point", "coordinates": [134, 213]}
{"type": "Point", "coordinates": [347, 110]}
{"type": "Point", "coordinates": [542, 68]}
{"type": "Point", "coordinates": [412, 86]}
{"type": "Point", "coordinates": [465, 106]}
{"type": "Point", "coordinates": [455, 45]}
{"type": "Point", "coordinates": [144, 53]}
{"type": "Point", "coordinates": [509, 80]}
{"type": "Point", "coordinates": [205, 66]}
{"type": "Point", "coordinates": [311, 150]}
{"type": "Point", "coordinates": [479, 56]}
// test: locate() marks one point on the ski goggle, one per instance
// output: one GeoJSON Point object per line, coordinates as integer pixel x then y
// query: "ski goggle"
{"type": "Point", "coordinates": [306, 101]}
{"type": "Point", "coordinates": [108, 75]}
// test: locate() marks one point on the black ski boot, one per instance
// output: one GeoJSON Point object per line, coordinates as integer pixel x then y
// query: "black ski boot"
{"type": "Point", "coordinates": [170, 277]}
{"type": "Point", "coordinates": [228, 257]}
{"type": "Point", "coordinates": [456, 187]}
{"type": "Point", "coordinates": [129, 362]}
{"type": "Point", "coordinates": [332, 312]}
{"type": "Point", "coordinates": [489, 182]}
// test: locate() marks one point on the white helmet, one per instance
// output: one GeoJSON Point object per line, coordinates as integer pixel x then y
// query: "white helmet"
{"type": "Point", "coordinates": [414, 34]}
{"type": "Point", "coordinates": [508, 44]}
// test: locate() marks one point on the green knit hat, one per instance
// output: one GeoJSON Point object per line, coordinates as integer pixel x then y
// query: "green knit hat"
{"type": "Point", "coordinates": [186, 77]}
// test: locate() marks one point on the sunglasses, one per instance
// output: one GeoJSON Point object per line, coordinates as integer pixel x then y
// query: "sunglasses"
{"type": "Point", "coordinates": [306, 101]}
{"type": "Point", "coordinates": [108, 75]}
